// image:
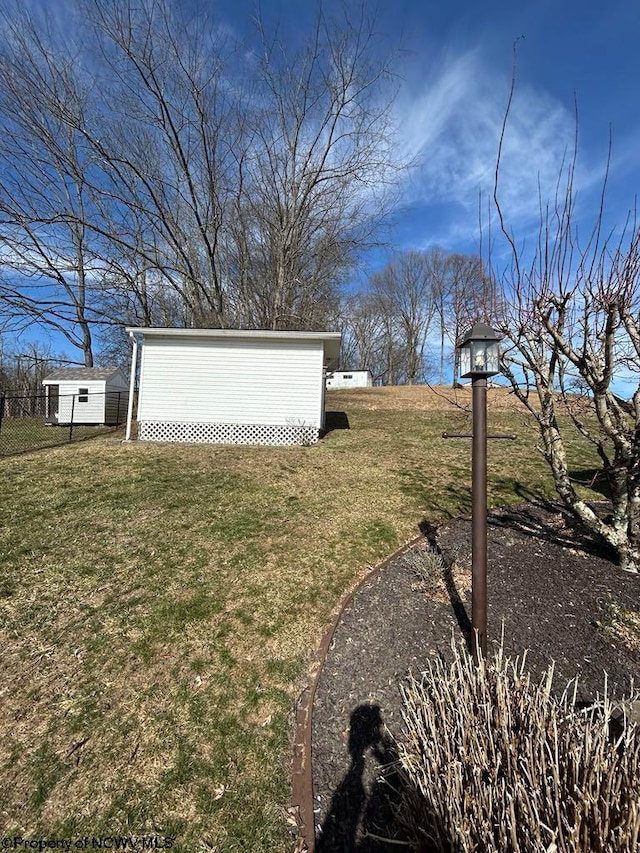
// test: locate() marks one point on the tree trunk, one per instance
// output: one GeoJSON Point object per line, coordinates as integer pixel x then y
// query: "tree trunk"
{"type": "Point", "coordinates": [621, 533]}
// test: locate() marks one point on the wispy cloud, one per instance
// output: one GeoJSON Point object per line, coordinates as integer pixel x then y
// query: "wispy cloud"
{"type": "Point", "coordinates": [451, 128]}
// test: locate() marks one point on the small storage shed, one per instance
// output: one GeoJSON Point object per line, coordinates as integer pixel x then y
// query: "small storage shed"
{"type": "Point", "coordinates": [349, 379]}
{"type": "Point", "coordinates": [231, 386]}
{"type": "Point", "coordinates": [86, 395]}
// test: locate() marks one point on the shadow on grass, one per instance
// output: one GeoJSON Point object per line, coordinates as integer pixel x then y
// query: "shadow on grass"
{"type": "Point", "coordinates": [451, 499]}
{"type": "Point", "coordinates": [592, 478]}
{"type": "Point", "coordinates": [335, 420]}
{"type": "Point", "coordinates": [362, 816]}
{"type": "Point", "coordinates": [454, 498]}
{"type": "Point", "coordinates": [512, 488]}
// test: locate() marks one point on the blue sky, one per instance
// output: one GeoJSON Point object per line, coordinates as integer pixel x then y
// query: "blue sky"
{"type": "Point", "coordinates": [457, 75]}
{"type": "Point", "coordinates": [454, 72]}
{"type": "Point", "coordinates": [455, 69]}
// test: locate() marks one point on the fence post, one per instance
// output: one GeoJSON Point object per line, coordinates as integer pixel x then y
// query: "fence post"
{"type": "Point", "coordinates": [73, 404]}
{"type": "Point", "coordinates": [2, 396]}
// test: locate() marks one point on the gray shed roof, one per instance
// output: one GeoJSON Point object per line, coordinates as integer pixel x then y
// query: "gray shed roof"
{"type": "Point", "coordinates": [69, 374]}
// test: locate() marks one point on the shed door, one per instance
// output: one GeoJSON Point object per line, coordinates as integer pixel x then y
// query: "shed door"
{"type": "Point", "coordinates": [52, 401]}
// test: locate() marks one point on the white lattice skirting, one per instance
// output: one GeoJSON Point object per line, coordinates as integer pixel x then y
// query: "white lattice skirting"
{"type": "Point", "coordinates": [226, 433]}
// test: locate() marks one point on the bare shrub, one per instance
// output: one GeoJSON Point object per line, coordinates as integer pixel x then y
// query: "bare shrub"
{"type": "Point", "coordinates": [428, 566]}
{"type": "Point", "coordinates": [494, 762]}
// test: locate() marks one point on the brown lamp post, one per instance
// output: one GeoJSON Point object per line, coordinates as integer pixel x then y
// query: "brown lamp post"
{"type": "Point", "coordinates": [479, 359]}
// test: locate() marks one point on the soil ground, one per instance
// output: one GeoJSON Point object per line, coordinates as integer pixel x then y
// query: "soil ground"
{"type": "Point", "coordinates": [551, 592]}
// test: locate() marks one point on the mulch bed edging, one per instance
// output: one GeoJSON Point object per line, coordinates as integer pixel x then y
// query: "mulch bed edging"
{"type": "Point", "coordinates": [549, 584]}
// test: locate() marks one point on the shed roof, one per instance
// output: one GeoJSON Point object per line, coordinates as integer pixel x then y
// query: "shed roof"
{"type": "Point", "coordinates": [70, 374]}
{"type": "Point", "coordinates": [330, 340]}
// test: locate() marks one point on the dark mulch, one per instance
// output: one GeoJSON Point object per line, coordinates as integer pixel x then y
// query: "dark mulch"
{"type": "Point", "coordinates": [547, 583]}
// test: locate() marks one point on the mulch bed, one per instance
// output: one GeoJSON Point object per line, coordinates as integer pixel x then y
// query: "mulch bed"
{"type": "Point", "coordinates": [548, 585]}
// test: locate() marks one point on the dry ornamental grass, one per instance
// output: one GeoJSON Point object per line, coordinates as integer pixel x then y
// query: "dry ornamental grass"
{"type": "Point", "coordinates": [493, 762]}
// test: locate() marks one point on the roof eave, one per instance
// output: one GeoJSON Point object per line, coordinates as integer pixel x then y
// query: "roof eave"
{"type": "Point", "coordinates": [284, 334]}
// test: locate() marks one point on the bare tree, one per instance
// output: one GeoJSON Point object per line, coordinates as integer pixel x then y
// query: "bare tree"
{"type": "Point", "coordinates": [404, 291]}
{"type": "Point", "coordinates": [317, 171]}
{"type": "Point", "coordinates": [23, 366]}
{"type": "Point", "coordinates": [441, 290]}
{"type": "Point", "coordinates": [156, 175]}
{"type": "Point", "coordinates": [459, 285]}
{"type": "Point", "coordinates": [47, 258]}
{"type": "Point", "coordinates": [370, 339]}
{"type": "Point", "coordinates": [23, 370]}
{"type": "Point", "coordinates": [418, 303]}
{"type": "Point", "coordinates": [170, 154]}
{"type": "Point", "coordinates": [571, 317]}
{"type": "Point", "coordinates": [470, 295]}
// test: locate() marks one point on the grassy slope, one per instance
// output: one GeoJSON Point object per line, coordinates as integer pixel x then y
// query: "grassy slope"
{"type": "Point", "coordinates": [18, 435]}
{"type": "Point", "coordinates": [159, 605]}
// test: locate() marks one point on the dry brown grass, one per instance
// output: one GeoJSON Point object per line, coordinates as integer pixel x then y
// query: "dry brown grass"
{"type": "Point", "coordinates": [160, 605]}
{"type": "Point", "coordinates": [434, 575]}
{"type": "Point", "coordinates": [426, 398]}
{"type": "Point", "coordinates": [442, 398]}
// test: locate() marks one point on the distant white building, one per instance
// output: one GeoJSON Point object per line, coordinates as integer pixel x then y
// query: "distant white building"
{"type": "Point", "coordinates": [86, 395]}
{"type": "Point", "coordinates": [230, 386]}
{"type": "Point", "coordinates": [349, 379]}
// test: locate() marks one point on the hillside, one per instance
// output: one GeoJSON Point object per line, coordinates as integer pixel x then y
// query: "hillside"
{"type": "Point", "coordinates": [160, 606]}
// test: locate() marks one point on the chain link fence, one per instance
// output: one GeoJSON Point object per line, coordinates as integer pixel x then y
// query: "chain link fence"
{"type": "Point", "coordinates": [29, 422]}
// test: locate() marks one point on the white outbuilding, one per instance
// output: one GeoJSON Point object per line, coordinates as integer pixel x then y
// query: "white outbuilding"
{"type": "Point", "coordinates": [231, 386]}
{"type": "Point", "coordinates": [337, 379]}
{"type": "Point", "coordinates": [86, 395]}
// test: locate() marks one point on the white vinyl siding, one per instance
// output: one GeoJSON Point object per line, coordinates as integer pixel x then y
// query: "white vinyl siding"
{"type": "Point", "coordinates": [233, 381]}
{"type": "Point", "coordinates": [349, 379]}
{"type": "Point", "coordinates": [91, 412]}
{"type": "Point", "coordinates": [102, 400]}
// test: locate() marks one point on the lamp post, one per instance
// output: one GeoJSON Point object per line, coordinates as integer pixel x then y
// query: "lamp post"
{"type": "Point", "coordinates": [479, 359]}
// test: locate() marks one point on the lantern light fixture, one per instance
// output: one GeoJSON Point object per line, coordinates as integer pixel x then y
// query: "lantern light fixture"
{"type": "Point", "coordinates": [479, 352]}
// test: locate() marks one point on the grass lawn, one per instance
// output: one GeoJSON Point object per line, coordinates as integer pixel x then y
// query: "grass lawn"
{"type": "Point", "coordinates": [160, 605]}
{"type": "Point", "coordinates": [18, 435]}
